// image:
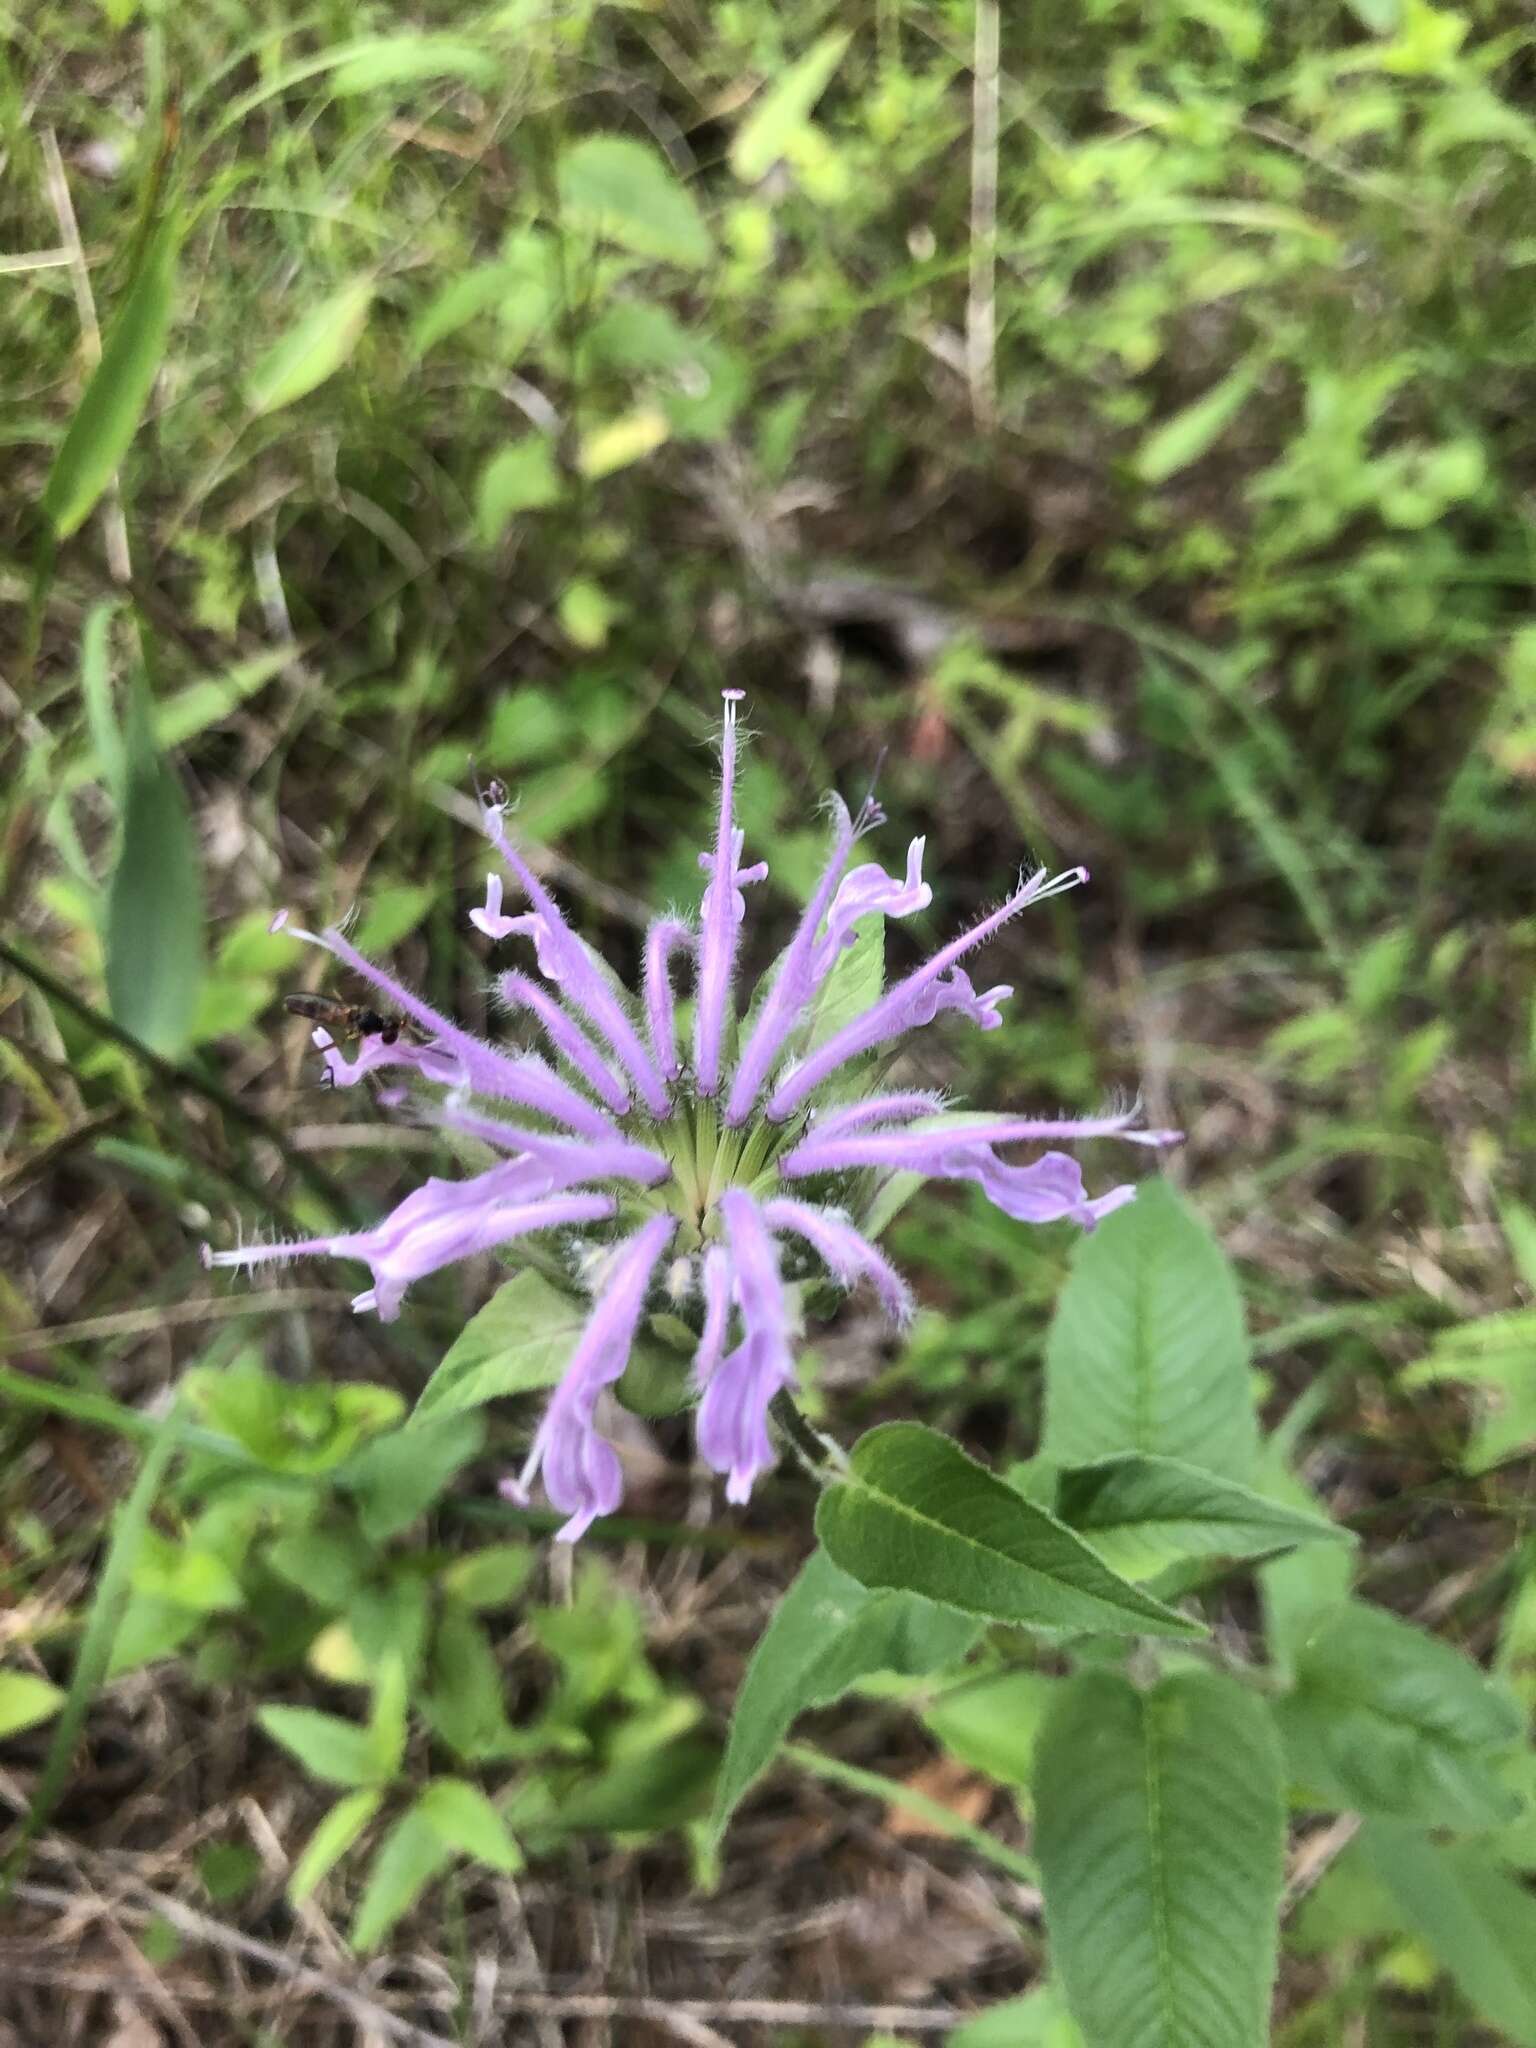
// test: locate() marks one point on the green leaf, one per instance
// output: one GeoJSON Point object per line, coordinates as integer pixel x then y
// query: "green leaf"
{"type": "Point", "coordinates": [915, 1514]}
{"type": "Point", "coordinates": [1160, 1829]}
{"type": "Point", "coordinates": [492, 1577]}
{"type": "Point", "coordinates": [398, 1477]}
{"type": "Point", "coordinates": [517, 1344]}
{"type": "Point", "coordinates": [1142, 1512]}
{"type": "Point", "coordinates": [466, 1704]}
{"type": "Point", "coordinates": [1392, 1722]}
{"type": "Point", "coordinates": [993, 1723]}
{"type": "Point", "coordinates": [627, 192]}
{"type": "Point", "coordinates": [1492, 1354]}
{"type": "Point", "coordinates": [315, 349]}
{"type": "Point", "coordinates": [404, 58]}
{"type": "Point", "coordinates": [826, 1633]}
{"type": "Point", "coordinates": [26, 1699]}
{"type": "Point", "coordinates": [1039, 2019]}
{"type": "Point", "coordinates": [331, 1841]}
{"type": "Point", "coordinates": [409, 1857]}
{"type": "Point", "coordinates": [1185, 438]}
{"type": "Point", "coordinates": [468, 1822]}
{"type": "Point", "coordinates": [1147, 1351]}
{"type": "Point", "coordinates": [659, 1788]}
{"type": "Point", "coordinates": [856, 981]}
{"type": "Point", "coordinates": [521, 477]}
{"type": "Point", "coordinates": [96, 695]}
{"type": "Point", "coordinates": [112, 404]}
{"type": "Point", "coordinates": [783, 110]}
{"type": "Point", "coordinates": [154, 923]}
{"type": "Point", "coordinates": [392, 912]}
{"type": "Point", "coordinates": [1477, 1920]}
{"type": "Point", "coordinates": [335, 1751]}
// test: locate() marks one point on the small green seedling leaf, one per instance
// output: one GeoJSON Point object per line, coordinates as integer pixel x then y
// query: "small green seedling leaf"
{"type": "Point", "coordinates": [335, 1751]}
{"type": "Point", "coordinates": [314, 350]}
{"type": "Point", "coordinates": [469, 1823]}
{"type": "Point", "coordinates": [25, 1700]}
{"type": "Point", "coordinates": [784, 108]}
{"type": "Point", "coordinates": [627, 192]}
{"type": "Point", "coordinates": [154, 922]}
{"type": "Point", "coordinates": [409, 1857]}
{"type": "Point", "coordinates": [331, 1841]}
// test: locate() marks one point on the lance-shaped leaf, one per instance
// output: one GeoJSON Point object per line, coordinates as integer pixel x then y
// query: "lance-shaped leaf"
{"type": "Point", "coordinates": [1147, 1351]}
{"type": "Point", "coordinates": [1142, 1512]}
{"type": "Point", "coordinates": [517, 1344]}
{"type": "Point", "coordinates": [1160, 1829]}
{"type": "Point", "coordinates": [154, 925]}
{"type": "Point", "coordinates": [112, 404]}
{"type": "Point", "coordinates": [915, 1514]}
{"type": "Point", "coordinates": [827, 1633]}
{"type": "Point", "coordinates": [1390, 1721]}
{"type": "Point", "coordinates": [312, 350]}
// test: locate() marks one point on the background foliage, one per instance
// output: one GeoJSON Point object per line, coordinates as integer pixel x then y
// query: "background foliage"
{"type": "Point", "coordinates": [1150, 487]}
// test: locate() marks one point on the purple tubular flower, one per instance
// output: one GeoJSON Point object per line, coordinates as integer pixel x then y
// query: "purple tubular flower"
{"type": "Point", "coordinates": [440, 1222]}
{"type": "Point", "coordinates": [732, 1426]}
{"type": "Point", "coordinates": [717, 1314]}
{"type": "Point", "coordinates": [519, 991]}
{"type": "Point", "coordinates": [581, 1470]}
{"type": "Point", "coordinates": [723, 909]}
{"type": "Point", "coordinates": [668, 935]}
{"type": "Point", "coordinates": [844, 1251]}
{"type": "Point", "coordinates": [684, 1182]}
{"type": "Point", "coordinates": [936, 986]}
{"type": "Point", "coordinates": [565, 960]}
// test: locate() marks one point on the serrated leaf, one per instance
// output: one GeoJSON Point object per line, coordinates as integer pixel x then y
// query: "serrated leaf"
{"type": "Point", "coordinates": [1160, 1830]}
{"type": "Point", "coordinates": [1141, 1513]}
{"type": "Point", "coordinates": [1478, 1921]}
{"type": "Point", "coordinates": [409, 1857]}
{"type": "Point", "coordinates": [1147, 1350]}
{"type": "Point", "coordinates": [112, 403]}
{"type": "Point", "coordinates": [784, 108]}
{"type": "Point", "coordinates": [627, 192]}
{"type": "Point", "coordinates": [517, 1344]}
{"type": "Point", "coordinates": [154, 922]}
{"type": "Point", "coordinates": [25, 1700]}
{"type": "Point", "coordinates": [469, 1823]}
{"type": "Point", "coordinates": [826, 1633]}
{"type": "Point", "coordinates": [315, 349]}
{"type": "Point", "coordinates": [915, 1514]}
{"type": "Point", "coordinates": [337, 1752]}
{"type": "Point", "coordinates": [331, 1840]}
{"type": "Point", "coordinates": [1389, 1721]}
{"type": "Point", "coordinates": [398, 1477]}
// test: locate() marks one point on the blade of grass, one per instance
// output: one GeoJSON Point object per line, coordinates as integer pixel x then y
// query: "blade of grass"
{"type": "Point", "coordinates": [95, 1651]}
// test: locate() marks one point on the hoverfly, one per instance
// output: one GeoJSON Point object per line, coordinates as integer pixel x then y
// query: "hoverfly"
{"type": "Point", "coordinates": [348, 1021]}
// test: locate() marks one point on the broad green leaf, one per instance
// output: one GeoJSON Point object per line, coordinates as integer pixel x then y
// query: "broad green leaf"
{"type": "Point", "coordinates": [26, 1699]}
{"type": "Point", "coordinates": [315, 348]}
{"type": "Point", "coordinates": [1160, 1829]}
{"type": "Point", "coordinates": [1039, 2019]}
{"type": "Point", "coordinates": [1147, 1351]}
{"type": "Point", "coordinates": [1298, 1589]}
{"type": "Point", "coordinates": [826, 1633]}
{"type": "Point", "coordinates": [915, 1514]}
{"type": "Point", "coordinates": [469, 1823]}
{"type": "Point", "coordinates": [1392, 1722]}
{"type": "Point", "coordinates": [1142, 1512]}
{"type": "Point", "coordinates": [627, 192]}
{"type": "Point", "coordinates": [492, 1577]}
{"type": "Point", "coordinates": [331, 1840]}
{"type": "Point", "coordinates": [404, 58]}
{"type": "Point", "coordinates": [466, 1702]}
{"type": "Point", "coordinates": [521, 477]}
{"type": "Point", "coordinates": [337, 1752]}
{"type": "Point", "coordinates": [409, 1857]}
{"type": "Point", "coordinates": [784, 108]}
{"type": "Point", "coordinates": [1185, 438]}
{"type": "Point", "coordinates": [112, 404]}
{"type": "Point", "coordinates": [154, 922]}
{"type": "Point", "coordinates": [398, 1477]}
{"type": "Point", "coordinates": [993, 1722]}
{"type": "Point", "coordinates": [517, 1344]}
{"type": "Point", "coordinates": [1478, 1921]}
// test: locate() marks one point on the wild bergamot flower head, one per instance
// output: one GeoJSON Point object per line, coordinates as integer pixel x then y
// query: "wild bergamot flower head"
{"type": "Point", "coordinates": [709, 1182]}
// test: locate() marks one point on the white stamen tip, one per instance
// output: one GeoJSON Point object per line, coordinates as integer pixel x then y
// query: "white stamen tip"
{"type": "Point", "coordinates": [205, 1254]}
{"type": "Point", "coordinates": [279, 919]}
{"type": "Point", "coordinates": [732, 696]}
